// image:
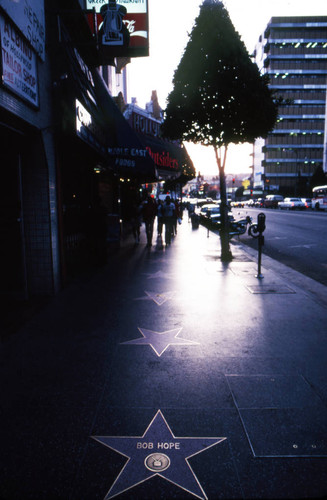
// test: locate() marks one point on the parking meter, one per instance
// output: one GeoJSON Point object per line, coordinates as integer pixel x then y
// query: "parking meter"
{"type": "Point", "coordinates": [256, 230]}
{"type": "Point", "coordinates": [261, 223]}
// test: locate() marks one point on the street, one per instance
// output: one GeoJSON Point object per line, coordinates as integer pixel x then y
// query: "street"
{"type": "Point", "coordinates": [297, 239]}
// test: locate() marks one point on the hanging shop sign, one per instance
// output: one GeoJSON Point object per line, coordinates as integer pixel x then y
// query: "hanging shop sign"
{"type": "Point", "coordinates": [88, 129]}
{"type": "Point", "coordinates": [122, 27]}
{"type": "Point", "coordinates": [19, 63]}
{"type": "Point", "coordinates": [29, 17]}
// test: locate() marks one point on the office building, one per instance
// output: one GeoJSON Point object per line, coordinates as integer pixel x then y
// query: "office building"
{"type": "Point", "coordinates": [293, 52]}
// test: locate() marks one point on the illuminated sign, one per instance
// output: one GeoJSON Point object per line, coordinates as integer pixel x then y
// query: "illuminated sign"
{"type": "Point", "coordinates": [19, 64]}
{"type": "Point", "coordinates": [122, 27]}
{"type": "Point", "coordinates": [87, 128]}
{"type": "Point", "coordinates": [83, 117]}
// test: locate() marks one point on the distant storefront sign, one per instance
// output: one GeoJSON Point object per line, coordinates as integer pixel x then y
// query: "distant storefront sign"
{"type": "Point", "coordinates": [166, 155]}
{"type": "Point", "coordinates": [145, 125]}
{"type": "Point", "coordinates": [126, 156]}
{"type": "Point", "coordinates": [29, 17]}
{"type": "Point", "coordinates": [122, 27]}
{"type": "Point", "coordinates": [19, 63]}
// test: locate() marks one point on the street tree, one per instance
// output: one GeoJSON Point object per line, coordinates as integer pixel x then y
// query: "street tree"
{"type": "Point", "coordinates": [318, 177]}
{"type": "Point", "coordinates": [219, 96]}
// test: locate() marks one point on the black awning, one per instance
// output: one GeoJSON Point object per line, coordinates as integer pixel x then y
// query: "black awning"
{"type": "Point", "coordinates": [127, 156]}
{"type": "Point", "coordinates": [169, 157]}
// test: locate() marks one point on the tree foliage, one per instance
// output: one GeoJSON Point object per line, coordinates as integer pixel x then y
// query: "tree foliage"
{"type": "Point", "coordinates": [318, 178]}
{"type": "Point", "coordinates": [219, 96]}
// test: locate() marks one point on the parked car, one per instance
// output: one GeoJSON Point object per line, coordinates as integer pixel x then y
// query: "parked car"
{"type": "Point", "coordinates": [307, 202]}
{"type": "Point", "coordinates": [209, 208]}
{"type": "Point", "coordinates": [259, 203]}
{"type": "Point", "coordinates": [291, 204]}
{"type": "Point", "coordinates": [272, 200]}
{"type": "Point", "coordinates": [214, 220]}
{"type": "Point", "coordinates": [238, 204]}
{"type": "Point", "coordinates": [206, 201]}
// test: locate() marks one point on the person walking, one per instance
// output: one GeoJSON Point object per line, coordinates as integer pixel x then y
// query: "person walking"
{"type": "Point", "coordinates": [177, 216]}
{"type": "Point", "coordinates": [136, 223]}
{"type": "Point", "coordinates": [149, 212]}
{"type": "Point", "coordinates": [168, 210]}
{"type": "Point", "coordinates": [159, 218]}
{"type": "Point", "coordinates": [190, 210]}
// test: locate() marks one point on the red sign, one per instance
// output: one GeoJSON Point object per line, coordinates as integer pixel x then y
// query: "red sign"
{"type": "Point", "coordinates": [122, 27]}
{"type": "Point", "coordinates": [163, 159]}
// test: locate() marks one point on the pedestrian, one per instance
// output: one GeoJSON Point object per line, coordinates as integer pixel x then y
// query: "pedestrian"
{"type": "Point", "coordinates": [159, 218]}
{"type": "Point", "coordinates": [136, 221]}
{"type": "Point", "coordinates": [149, 212]}
{"type": "Point", "coordinates": [177, 216]}
{"type": "Point", "coordinates": [190, 210]}
{"type": "Point", "coordinates": [168, 210]}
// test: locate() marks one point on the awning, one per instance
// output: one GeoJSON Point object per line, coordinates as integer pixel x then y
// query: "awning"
{"type": "Point", "coordinates": [98, 120]}
{"type": "Point", "coordinates": [127, 155]}
{"type": "Point", "coordinates": [167, 156]}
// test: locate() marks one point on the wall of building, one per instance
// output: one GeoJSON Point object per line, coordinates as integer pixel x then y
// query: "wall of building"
{"type": "Point", "coordinates": [30, 134]}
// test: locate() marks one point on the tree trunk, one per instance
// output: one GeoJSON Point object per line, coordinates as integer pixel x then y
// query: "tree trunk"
{"type": "Point", "coordinates": [226, 255]}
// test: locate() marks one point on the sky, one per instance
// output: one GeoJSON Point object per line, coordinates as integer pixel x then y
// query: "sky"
{"type": "Point", "coordinates": [170, 22]}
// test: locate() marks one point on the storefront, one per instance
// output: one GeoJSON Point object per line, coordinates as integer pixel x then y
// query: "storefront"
{"type": "Point", "coordinates": [100, 162]}
{"type": "Point", "coordinates": [12, 262]}
{"type": "Point", "coordinates": [29, 255]}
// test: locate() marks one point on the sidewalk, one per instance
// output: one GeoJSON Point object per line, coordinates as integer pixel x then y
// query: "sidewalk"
{"type": "Point", "coordinates": [168, 374]}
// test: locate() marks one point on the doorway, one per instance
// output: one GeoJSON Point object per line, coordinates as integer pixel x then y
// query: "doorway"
{"type": "Point", "coordinates": [12, 265]}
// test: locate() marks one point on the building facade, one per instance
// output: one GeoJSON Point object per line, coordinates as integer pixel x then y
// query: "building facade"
{"type": "Point", "coordinates": [293, 52]}
{"type": "Point", "coordinates": [60, 184]}
{"type": "Point", "coordinates": [70, 162]}
{"type": "Point", "coordinates": [30, 254]}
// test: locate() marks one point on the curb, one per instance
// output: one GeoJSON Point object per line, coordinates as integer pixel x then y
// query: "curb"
{"type": "Point", "coordinates": [308, 286]}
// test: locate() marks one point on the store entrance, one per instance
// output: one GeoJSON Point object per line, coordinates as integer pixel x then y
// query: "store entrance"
{"type": "Point", "coordinates": [12, 268]}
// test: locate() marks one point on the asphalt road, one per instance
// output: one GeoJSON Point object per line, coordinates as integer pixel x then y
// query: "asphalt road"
{"type": "Point", "coordinates": [297, 239]}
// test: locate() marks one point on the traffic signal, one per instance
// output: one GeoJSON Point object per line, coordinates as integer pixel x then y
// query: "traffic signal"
{"type": "Point", "coordinates": [233, 180]}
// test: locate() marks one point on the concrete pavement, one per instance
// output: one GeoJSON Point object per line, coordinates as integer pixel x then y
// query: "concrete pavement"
{"type": "Point", "coordinates": [168, 374]}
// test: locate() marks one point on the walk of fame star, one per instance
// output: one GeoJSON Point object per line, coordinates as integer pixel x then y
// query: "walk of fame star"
{"type": "Point", "coordinates": [158, 298]}
{"type": "Point", "coordinates": [157, 453]}
{"type": "Point", "coordinates": [160, 341]}
{"type": "Point", "coordinates": [160, 274]}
